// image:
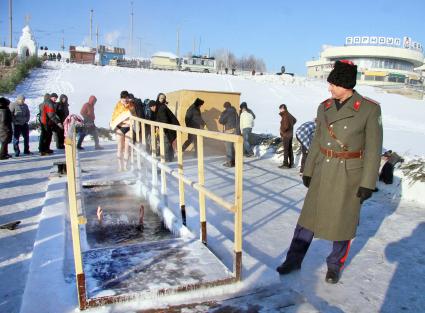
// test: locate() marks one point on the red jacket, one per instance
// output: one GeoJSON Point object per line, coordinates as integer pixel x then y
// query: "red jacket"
{"type": "Point", "coordinates": [87, 111]}
{"type": "Point", "coordinates": [48, 115]}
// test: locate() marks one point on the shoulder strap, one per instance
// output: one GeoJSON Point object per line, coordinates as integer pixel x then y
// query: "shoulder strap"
{"type": "Point", "coordinates": [332, 134]}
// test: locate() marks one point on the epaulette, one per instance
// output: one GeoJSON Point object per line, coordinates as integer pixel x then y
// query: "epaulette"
{"type": "Point", "coordinates": [371, 100]}
{"type": "Point", "coordinates": [327, 103]}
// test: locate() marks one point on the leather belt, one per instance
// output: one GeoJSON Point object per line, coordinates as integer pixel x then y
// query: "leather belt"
{"type": "Point", "coordinates": [342, 154]}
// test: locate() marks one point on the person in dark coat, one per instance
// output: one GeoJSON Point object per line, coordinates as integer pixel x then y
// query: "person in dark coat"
{"type": "Point", "coordinates": [49, 121]}
{"type": "Point", "coordinates": [62, 111]}
{"type": "Point", "coordinates": [193, 119]}
{"type": "Point", "coordinates": [340, 171]}
{"type": "Point", "coordinates": [20, 118]}
{"type": "Point", "coordinates": [164, 115]}
{"type": "Point", "coordinates": [161, 98]}
{"type": "Point", "coordinates": [5, 128]}
{"type": "Point", "coordinates": [387, 172]}
{"type": "Point", "coordinates": [287, 123]}
{"type": "Point", "coordinates": [230, 120]}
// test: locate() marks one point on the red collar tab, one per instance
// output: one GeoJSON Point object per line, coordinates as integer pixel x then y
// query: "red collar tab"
{"type": "Point", "coordinates": [356, 105]}
{"type": "Point", "coordinates": [328, 104]}
{"type": "Point", "coordinates": [346, 62]}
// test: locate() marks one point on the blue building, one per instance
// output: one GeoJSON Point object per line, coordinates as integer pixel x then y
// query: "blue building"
{"type": "Point", "coordinates": [107, 54]}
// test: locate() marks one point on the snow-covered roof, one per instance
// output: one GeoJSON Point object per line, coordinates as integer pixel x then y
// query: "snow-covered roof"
{"type": "Point", "coordinates": [169, 55]}
{"type": "Point", "coordinates": [83, 49]}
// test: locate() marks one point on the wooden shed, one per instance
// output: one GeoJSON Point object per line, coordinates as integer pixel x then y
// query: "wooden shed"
{"type": "Point", "coordinates": [83, 55]}
{"type": "Point", "coordinates": [179, 101]}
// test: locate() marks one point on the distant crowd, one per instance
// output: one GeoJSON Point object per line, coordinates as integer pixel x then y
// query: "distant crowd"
{"type": "Point", "coordinates": [54, 116]}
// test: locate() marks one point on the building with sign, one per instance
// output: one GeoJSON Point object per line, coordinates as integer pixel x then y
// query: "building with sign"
{"type": "Point", "coordinates": [380, 60]}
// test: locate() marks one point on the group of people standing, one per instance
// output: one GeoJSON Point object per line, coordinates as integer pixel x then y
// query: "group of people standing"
{"type": "Point", "coordinates": [52, 117]}
{"type": "Point", "coordinates": [14, 118]}
{"type": "Point", "coordinates": [158, 110]}
{"type": "Point", "coordinates": [53, 112]}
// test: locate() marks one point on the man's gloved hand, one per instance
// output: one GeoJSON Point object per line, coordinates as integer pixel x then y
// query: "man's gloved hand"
{"type": "Point", "coordinates": [364, 193]}
{"type": "Point", "coordinates": [306, 181]}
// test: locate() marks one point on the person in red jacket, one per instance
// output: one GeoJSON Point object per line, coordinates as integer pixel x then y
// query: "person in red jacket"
{"type": "Point", "coordinates": [49, 121]}
{"type": "Point", "coordinates": [87, 112]}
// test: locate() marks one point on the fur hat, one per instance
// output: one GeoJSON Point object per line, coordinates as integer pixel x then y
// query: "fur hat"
{"type": "Point", "coordinates": [344, 74]}
{"type": "Point", "coordinates": [198, 102]}
{"type": "Point", "coordinates": [4, 101]}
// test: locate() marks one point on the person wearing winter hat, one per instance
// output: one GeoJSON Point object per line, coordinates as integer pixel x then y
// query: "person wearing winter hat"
{"type": "Point", "coordinates": [340, 171]}
{"type": "Point", "coordinates": [230, 120]}
{"type": "Point", "coordinates": [62, 111]}
{"type": "Point", "coordinates": [246, 123]}
{"type": "Point", "coordinates": [20, 118]}
{"type": "Point", "coordinates": [193, 119]}
{"type": "Point", "coordinates": [49, 121]}
{"type": "Point", "coordinates": [5, 128]}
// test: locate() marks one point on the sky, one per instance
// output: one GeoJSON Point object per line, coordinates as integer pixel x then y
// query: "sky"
{"type": "Point", "coordinates": [281, 32]}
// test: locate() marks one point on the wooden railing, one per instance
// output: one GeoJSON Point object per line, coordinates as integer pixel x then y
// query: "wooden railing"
{"type": "Point", "coordinates": [139, 149]}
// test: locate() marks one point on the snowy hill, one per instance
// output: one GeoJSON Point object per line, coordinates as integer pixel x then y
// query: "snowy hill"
{"type": "Point", "coordinates": [403, 118]}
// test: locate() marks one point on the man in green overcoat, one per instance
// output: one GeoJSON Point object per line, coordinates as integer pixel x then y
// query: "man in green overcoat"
{"type": "Point", "coordinates": [340, 171]}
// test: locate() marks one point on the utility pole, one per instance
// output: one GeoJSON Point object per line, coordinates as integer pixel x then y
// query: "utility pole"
{"type": "Point", "coordinates": [199, 46]}
{"type": "Point", "coordinates": [97, 37]}
{"type": "Point", "coordinates": [178, 43]}
{"type": "Point", "coordinates": [10, 21]}
{"type": "Point", "coordinates": [63, 40]}
{"type": "Point", "coordinates": [131, 31]}
{"type": "Point", "coordinates": [194, 46]}
{"type": "Point", "coordinates": [140, 46]}
{"type": "Point", "coordinates": [91, 27]}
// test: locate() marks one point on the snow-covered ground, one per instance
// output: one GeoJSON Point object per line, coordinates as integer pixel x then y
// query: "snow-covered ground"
{"type": "Point", "coordinates": [404, 130]}
{"type": "Point", "coordinates": [386, 266]}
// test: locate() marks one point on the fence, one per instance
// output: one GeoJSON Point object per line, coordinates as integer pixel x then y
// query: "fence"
{"type": "Point", "coordinates": [138, 152]}
{"type": "Point", "coordinates": [140, 127]}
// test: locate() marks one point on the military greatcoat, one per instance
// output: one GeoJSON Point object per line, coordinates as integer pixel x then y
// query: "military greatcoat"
{"type": "Point", "coordinates": [331, 208]}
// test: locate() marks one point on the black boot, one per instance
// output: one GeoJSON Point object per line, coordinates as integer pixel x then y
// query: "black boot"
{"type": "Point", "coordinates": [332, 276]}
{"type": "Point", "coordinates": [287, 267]}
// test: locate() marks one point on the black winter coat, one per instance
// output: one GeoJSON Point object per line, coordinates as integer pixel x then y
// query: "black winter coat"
{"type": "Point", "coordinates": [193, 117]}
{"type": "Point", "coordinates": [62, 109]}
{"type": "Point", "coordinates": [5, 124]}
{"type": "Point", "coordinates": [229, 118]}
{"type": "Point", "coordinates": [164, 115]}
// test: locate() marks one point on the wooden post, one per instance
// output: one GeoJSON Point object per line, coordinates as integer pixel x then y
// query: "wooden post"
{"type": "Point", "coordinates": [137, 131]}
{"type": "Point", "coordinates": [237, 266]}
{"type": "Point", "coordinates": [180, 171]}
{"type": "Point", "coordinates": [153, 148]}
{"type": "Point", "coordinates": [132, 140]}
{"type": "Point", "coordinates": [70, 148]}
{"type": "Point", "coordinates": [143, 133]}
{"type": "Point", "coordinates": [162, 153]}
{"type": "Point", "coordinates": [201, 179]}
